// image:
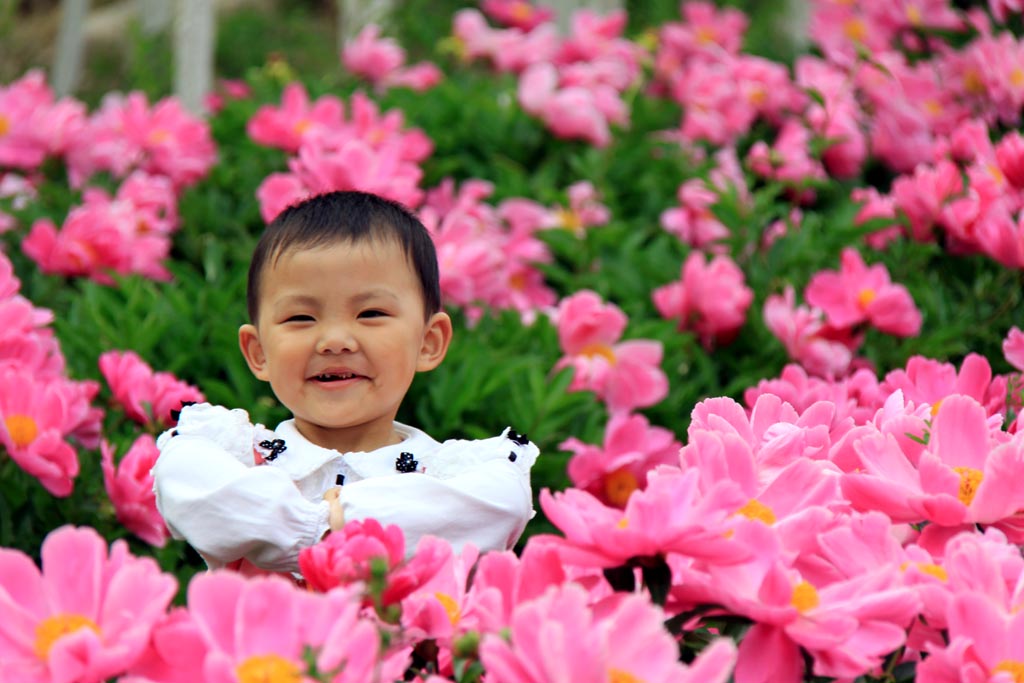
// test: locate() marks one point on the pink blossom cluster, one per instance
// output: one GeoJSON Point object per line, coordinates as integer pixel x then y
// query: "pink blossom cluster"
{"type": "Point", "coordinates": [574, 85]}
{"type": "Point", "coordinates": [41, 408]}
{"type": "Point", "coordinates": [129, 233]}
{"type": "Point", "coordinates": [710, 299]}
{"type": "Point", "coordinates": [693, 221]}
{"type": "Point", "coordinates": [381, 61]}
{"type": "Point", "coordinates": [824, 336]}
{"type": "Point", "coordinates": [625, 375]}
{"type": "Point", "coordinates": [488, 255]}
{"type": "Point", "coordinates": [366, 150]}
{"type": "Point", "coordinates": [147, 397]}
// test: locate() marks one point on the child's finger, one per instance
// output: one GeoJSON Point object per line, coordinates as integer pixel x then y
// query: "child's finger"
{"type": "Point", "coordinates": [332, 493]}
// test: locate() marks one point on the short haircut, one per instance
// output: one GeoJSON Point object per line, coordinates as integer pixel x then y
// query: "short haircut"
{"type": "Point", "coordinates": [338, 217]}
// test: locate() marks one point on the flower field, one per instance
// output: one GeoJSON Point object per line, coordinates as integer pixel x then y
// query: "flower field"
{"type": "Point", "coordinates": [762, 317]}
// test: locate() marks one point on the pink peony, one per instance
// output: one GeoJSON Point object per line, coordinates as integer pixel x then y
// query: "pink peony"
{"type": "Point", "coordinates": [521, 14]}
{"type": "Point", "coordinates": [574, 642]}
{"type": "Point", "coordinates": [87, 616]}
{"type": "Point", "coordinates": [710, 298]}
{"type": "Point", "coordinates": [32, 125]}
{"type": "Point", "coordinates": [808, 340]}
{"type": "Point", "coordinates": [859, 293]}
{"type": "Point", "coordinates": [925, 380]}
{"type": "Point", "coordinates": [296, 120]}
{"type": "Point", "coordinates": [626, 375]}
{"type": "Point", "coordinates": [350, 554]}
{"type": "Point", "coordinates": [130, 488]}
{"type": "Point", "coordinates": [614, 470]}
{"type": "Point", "coordinates": [1013, 348]}
{"type": "Point", "coordinates": [147, 397]}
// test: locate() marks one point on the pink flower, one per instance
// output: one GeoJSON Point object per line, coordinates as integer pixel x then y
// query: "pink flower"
{"type": "Point", "coordinates": [295, 120]}
{"type": "Point", "coordinates": [626, 375]}
{"type": "Point", "coordinates": [575, 643]}
{"type": "Point", "coordinates": [806, 337]}
{"type": "Point", "coordinates": [521, 14]}
{"type": "Point", "coordinates": [175, 654]}
{"type": "Point", "coordinates": [36, 415]}
{"type": "Point", "coordinates": [922, 196]}
{"type": "Point", "coordinates": [858, 293]}
{"type": "Point", "coordinates": [87, 616]}
{"type": "Point", "coordinates": [372, 57]}
{"type": "Point", "coordinates": [671, 515]}
{"type": "Point", "coordinates": [929, 381]}
{"type": "Point", "coordinates": [1013, 348]}
{"type": "Point", "coordinates": [964, 476]}
{"type": "Point", "coordinates": [32, 125]}
{"type": "Point", "coordinates": [693, 221]}
{"type": "Point", "coordinates": [572, 112]}
{"type": "Point", "coordinates": [263, 629]}
{"type": "Point", "coordinates": [127, 134]}
{"type": "Point", "coordinates": [631, 449]}
{"type": "Point", "coordinates": [349, 554]}
{"type": "Point", "coordinates": [148, 397]}
{"type": "Point", "coordinates": [710, 298]}
{"type": "Point", "coordinates": [130, 487]}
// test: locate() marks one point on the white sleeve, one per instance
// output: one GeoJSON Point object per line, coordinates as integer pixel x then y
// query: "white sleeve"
{"type": "Point", "coordinates": [487, 505]}
{"type": "Point", "coordinates": [227, 511]}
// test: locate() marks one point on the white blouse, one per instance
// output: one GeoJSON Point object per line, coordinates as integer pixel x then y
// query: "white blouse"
{"type": "Point", "coordinates": [211, 494]}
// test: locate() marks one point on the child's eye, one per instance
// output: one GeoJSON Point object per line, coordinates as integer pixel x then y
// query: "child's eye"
{"type": "Point", "coordinates": [372, 313]}
{"type": "Point", "coordinates": [301, 317]}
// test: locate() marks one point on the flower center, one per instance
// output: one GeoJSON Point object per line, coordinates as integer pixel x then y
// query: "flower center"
{"type": "Point", "coordinates": [570, 220]}
{"type": "Point", "coordinates": [22, 429]}
{"type": "Point", "coordinates": [619, 486]}
{"type": "Point", "coordinates": [755, 509]}
{"type": "Point", "coordinates": [855, 29]}
{"type": "Point", "coordinates": [451, 607]}
{"type": "Point", "coordinates": [158, 137]}
{"type": "Point", "coordinates": [602, 350]}
{"type": "Point", "coordinates": [914, 15]}
{"type": "Point", "coordinates": [302, 125]}
{"type": "Point", "coordinates": [5, 125]}
{"type": "Point", "coordinates": [865, 297]}
{"type": "Point", "coordinates": [522, 11]}
{"type": "Point", "coordinates": [268, 669]}
{"type": "Point", "coordinates": [620, 676]}
{"type": "Point", "coordinates": [933, 570]}
{"type": "Point", "coordinates": [805, 597]}
{"type": "Point", "coordinates": [973, 83]}
{"type": "Point", "coordinates": [1016, 78]}
{"type": "Point", "coordinates": [970, 479]}
{"type": "Point", "coordinates": [1012, 667]}
{"type": "Point", "coordinates": [52, 629]}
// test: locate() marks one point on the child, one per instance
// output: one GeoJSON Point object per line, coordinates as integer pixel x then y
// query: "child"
{"type": "Point", "coordinates": [345, 309]}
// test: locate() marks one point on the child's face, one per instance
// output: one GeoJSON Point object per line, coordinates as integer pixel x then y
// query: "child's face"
{"type": "Point", "coordinates": [340, 335]}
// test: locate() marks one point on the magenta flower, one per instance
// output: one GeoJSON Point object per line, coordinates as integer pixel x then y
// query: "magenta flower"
{"type": "Point", "coordinates": [381, 61]}
{"type": "Point", "coordinates": [571, 111]}
{"type": "Point", "coordinates": [808, 340]}
{"type": "Point", "coordinates": [709, 298]}
{"type": "Point", "coordinates": [925, 380]}
{"type": "Point", "coordinates": [671, 515]}
{"type": "Point", "coordinates": [147, 397]}
{"type": "Point", "coordinates": [626, 375]}
{"type": "Point", "coordinates": [348, 555]}
{"type": "Point", "coordinates": [36, 415]}
{"type": "Point", "coordinates": [32, 125]}
{"type": "Point", "coordinates": [521, 14]}
{"type": "Point", "coordinates": [87, 616]}
{"type": "Point", "coordinates": [559, 637]}
{"type": "Point", "coordinates": [296, 120]}
{"type": "Point", "coordinates": [966, 474]}
{"type": "Point", "coordinates": [1013, 348]}
{"type": "Point", "coordinates": [130, 488]}
{"type": "Point", "coordinates": [632, 448]}
{"type": "Point", "coordinates": [863, 294]}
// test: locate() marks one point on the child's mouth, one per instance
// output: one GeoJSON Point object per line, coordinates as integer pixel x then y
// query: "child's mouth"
{"type": "Point", "coordinates": [332, 377]}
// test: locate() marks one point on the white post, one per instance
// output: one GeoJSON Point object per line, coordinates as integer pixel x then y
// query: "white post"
{"type": "Point", "coordinates": [194, 30]}
{"type": "Point", "coordinates": [353, 15]}
{"type": "Point", "coordinates": [565, 8]}
{"type": "Point", "coordinates": [67, 63]}
{"type": "Point", "coordinates": [154, 15]}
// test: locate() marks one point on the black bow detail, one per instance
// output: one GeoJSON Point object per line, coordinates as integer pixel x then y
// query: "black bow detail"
{"type": "Point", "coordinates": [516, 437]}
{"type": "Point", "coordinates": [276, 448]}
{"type": "Point", "coordinates": [176, 414]}
{"type": "Point", "coordinates": [406, 463]}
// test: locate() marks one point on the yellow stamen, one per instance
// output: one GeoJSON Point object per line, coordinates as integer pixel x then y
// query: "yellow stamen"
{"type": "Point", "coordinates": [268, 669]}
{"type": "Point", "coordinates": [865, 297]}
{"type": "Point", "coordinates": [52, 629]}
{"type": "Point", "coordinates": [622, 523]}
{"type": "Point", "coordinates": [914, 15]}
{"type": "Point", "coordinates": [620, 676]}
{"type": "Point", "coordinates": [522, 11]}
{"type": "Point", "coordinates": [22, 429]}
{"type": "Point", "coordinates": [517, 281]}
{"type": "Point", "coordinates": [570, 220]}
{"type": "Point", "coordinates": [755, 509]}
{"type": "Point", "coordinates": [451, 607]}
{"type": "Point", "coordinates": [935, 407]}
{"type": "Point", "coordinates": [302, 125]}
{"type": "Point", "coordinates": [929, 569]}
{"type": "Point", "coordinates": [973, 82]}
{"type": "Point", "coordinates": [970, 479]}
{"type": "Point", "coordinates": [855, 29]}
{"type": "Point", "coordinates": [5, 125]}
{"type": "Point", "coordinates": [933, 107]}
{"type": "Point", "coordinates": [1013, 667]}
{"type": "Point", "coordinates": [805, 597]}
{"type": "Point", "coordinates": [1016, 78]}
{"type": "Point", "coordinates": [705, 35]}
{"type": "Point", "coordinates": [158, 137]}
{"type": "Point", "coordinates": [602, 350]}
{"type": "Point", "coordinates": [619, 486]}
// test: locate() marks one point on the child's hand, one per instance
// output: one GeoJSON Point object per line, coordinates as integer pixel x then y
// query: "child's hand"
{"type": "Point", "coordinates": [337, 515]}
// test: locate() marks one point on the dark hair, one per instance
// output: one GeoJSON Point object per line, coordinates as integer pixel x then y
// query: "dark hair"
{"type": "Point", "coordinates": [350, 216]}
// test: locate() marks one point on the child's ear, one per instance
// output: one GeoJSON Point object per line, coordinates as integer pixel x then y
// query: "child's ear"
{"type": "Point", "coordinates": [252, 349]}
{"type": "Point", "coordinates": [436, 338]}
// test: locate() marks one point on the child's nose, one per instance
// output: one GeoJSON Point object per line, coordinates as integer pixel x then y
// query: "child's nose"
{"type": "Point", "coordinates": [336, 338]}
